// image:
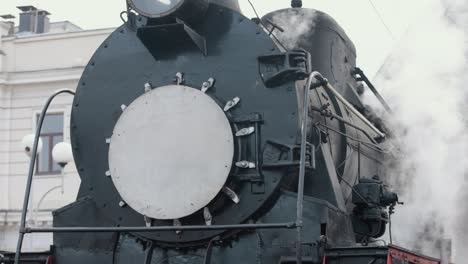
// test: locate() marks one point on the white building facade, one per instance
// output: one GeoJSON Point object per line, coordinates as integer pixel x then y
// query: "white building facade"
{"type": "Point", "coordinates": [32, 66]}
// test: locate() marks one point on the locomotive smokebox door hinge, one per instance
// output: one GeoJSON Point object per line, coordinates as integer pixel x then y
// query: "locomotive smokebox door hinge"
{"type": "Point", "coordinates": [278, 69]}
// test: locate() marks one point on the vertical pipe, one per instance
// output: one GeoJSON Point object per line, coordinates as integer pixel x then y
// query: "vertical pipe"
{"type": "Point", "coordinates": [32, 162]}
{"type": "Point", "coordinates": [359, 162]}
{"type": "Point", "coordinates": [300, 187]}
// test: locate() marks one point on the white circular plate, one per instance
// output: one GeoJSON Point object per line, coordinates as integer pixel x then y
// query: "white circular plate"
{"type": "Point", "coordinates": [171, 152]}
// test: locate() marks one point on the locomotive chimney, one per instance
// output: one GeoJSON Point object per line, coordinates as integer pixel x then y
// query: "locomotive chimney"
{"type": "Point", "coordinates": [296, 3]}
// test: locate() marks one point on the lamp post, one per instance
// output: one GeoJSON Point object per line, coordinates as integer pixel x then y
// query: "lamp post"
{"type": "Point", "coordinates": [27, 144]}
{"type": "Point", "coordinates": [62, 154]}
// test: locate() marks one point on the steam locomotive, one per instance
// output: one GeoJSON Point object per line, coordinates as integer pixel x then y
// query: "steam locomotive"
{"type": "Point", "coordinates": [202, 136]}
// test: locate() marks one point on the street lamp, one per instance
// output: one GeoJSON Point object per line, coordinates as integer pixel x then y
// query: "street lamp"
{"type": "Point", "coordinates": [28, 142]}
{"type": "Point", "coordinates": [62, 154]}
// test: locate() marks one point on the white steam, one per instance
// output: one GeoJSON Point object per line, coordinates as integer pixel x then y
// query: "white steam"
{"type": "Point", "coordinates": [424, 83]}
{"type": "Point", "coordinates": [297, 25]}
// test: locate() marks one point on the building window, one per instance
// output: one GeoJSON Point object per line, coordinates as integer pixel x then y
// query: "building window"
{"type": "Point", "coordinates": [51, 134]}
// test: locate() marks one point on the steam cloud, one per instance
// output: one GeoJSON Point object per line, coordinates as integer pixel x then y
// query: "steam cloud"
{"type": "Point", "coordinates": [424, 82]}
{"type": "Point", "coordinates": [296, 24]}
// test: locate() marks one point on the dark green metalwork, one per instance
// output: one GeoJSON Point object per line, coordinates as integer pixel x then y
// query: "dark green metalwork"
{"type": "Point", "coordinates": [303, 146]}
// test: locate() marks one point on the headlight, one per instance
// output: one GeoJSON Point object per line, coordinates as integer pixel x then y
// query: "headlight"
{"type": "Point", "coordinates": [164, 8]}
{"type": "Point", "coordinates": [155, 8]}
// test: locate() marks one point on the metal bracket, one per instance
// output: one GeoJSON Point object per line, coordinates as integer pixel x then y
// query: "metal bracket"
{"type": "Point", "coordinates": [245, 132]}
{"type": "Point", "coordinates": [278, 69]}
{"type": "Point", "coordinates": [231, 104]}
{"type": "Point", "coordinates": [273, 27]}
{"type": "Point", "coordinates": [179, 78]}
{"type": "Point", "coordinates": [245, 164]}
{"type": "Point", "coordinates": [159, 39]}
{"type": "Point", "coordinates": [274, 151]}
{"type": "Point", "coordinates": [208, 84]}
{"type": "Point", "coordinates": [250, 136]}
{"type": "Point", "coordinates": [148, 87]}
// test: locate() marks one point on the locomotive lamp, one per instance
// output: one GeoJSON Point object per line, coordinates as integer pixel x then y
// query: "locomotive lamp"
{"type": "Point", "coordinates": [62, 153]}
{"type": "Point", "coordinates": [182, 9]}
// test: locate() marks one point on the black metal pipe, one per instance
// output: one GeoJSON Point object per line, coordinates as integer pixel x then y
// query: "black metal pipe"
{"type": "Point", "coordinates": [32, 162]}
{"type": "Point", "coordinates": [351, 108]}
{"type": "Point", "coordinates": [157, 228]}
{"type": "Point", "coordinates": [367, 144]}
{"type": "Point", "coordinates": [331, 115]}
{"type": "Point", "coordinates": [209, 250]}
{"type": "Point", "coordinates": [363, 77]}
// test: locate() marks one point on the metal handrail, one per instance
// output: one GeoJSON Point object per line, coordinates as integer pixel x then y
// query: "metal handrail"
{"type": "Point", "coordinates": [314, 76]}
{"type": "Point", "coordinates": [289, 225]}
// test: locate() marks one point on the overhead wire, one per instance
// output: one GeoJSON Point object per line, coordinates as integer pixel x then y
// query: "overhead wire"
{"type": "Point", "coordinates": [377, 12]}
{"type": "Point", "coordinates": [264, 26]}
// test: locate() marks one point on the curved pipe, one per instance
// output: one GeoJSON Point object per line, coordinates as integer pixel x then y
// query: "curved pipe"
{"type": "Point", "coordinates": [31, 171]}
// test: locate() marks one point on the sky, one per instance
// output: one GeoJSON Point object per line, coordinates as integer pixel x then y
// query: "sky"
{"type": "Point", "coordinates": [358, 17]}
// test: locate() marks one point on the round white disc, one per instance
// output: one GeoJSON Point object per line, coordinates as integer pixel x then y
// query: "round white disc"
{"type": "Point", "coordinates": [171, 152]}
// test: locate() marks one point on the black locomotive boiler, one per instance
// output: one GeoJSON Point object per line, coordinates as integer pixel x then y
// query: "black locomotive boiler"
{"type": "Point", "coordinates": [202, 136]}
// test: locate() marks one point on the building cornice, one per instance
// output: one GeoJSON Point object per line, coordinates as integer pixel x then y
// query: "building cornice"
{"type": "Point", "coordinates": [54, 36]}
{"type": "Point", "coordinates": [41, 76]}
